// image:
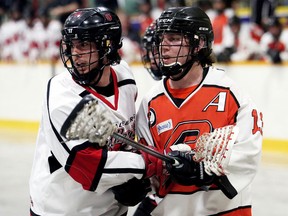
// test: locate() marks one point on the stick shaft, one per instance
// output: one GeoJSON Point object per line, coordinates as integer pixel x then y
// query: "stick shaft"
{"type": "Point", "coordinates": [143, 148]}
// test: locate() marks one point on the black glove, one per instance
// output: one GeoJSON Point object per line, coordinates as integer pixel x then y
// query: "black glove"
{"type": "Point", "coordinates": [145, 207]}
{"type": "Point", "coordinates": [132, 192]}
{"type": "Point", "coordinates": [188, 172]}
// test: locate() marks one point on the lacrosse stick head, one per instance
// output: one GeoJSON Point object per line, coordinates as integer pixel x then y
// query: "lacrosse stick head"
{"type": "Point", "coordinates": [88, 120]}
{"type": "Point", "coordinates": [215, 148]}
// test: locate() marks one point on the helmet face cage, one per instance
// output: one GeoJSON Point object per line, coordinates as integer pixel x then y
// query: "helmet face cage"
{"type": "Point", "coordinates": [183, 41]}
{"type": "Point", "coordinates": [98, 27]}
{"type": "Point", "coordinates": [149, 53]}
{"type": "Point", "coordinates": [193, 25]}
{"type": "Point", "coordinates": [67, 58]}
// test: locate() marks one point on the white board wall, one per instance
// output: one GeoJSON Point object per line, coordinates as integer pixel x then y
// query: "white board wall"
{"type": "Point", "coordinates": [22, 88]}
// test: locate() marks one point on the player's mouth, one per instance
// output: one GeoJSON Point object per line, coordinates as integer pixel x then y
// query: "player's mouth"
{"type": "Point", "coordinates": [82, 67]}
{"type": "Point", "coordinates": [167, 60]}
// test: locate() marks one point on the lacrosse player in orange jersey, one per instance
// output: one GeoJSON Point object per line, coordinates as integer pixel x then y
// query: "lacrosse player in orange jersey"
{"type": "Point", "coordinates": [79, 177]}
{"type": "Point", "coordinates": [195, 98]}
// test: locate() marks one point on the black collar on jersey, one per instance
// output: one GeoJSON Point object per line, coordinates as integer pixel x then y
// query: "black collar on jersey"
{"type": "Point", "coordinates": [179, 101]}
{"type": "Point", "coordinates": [106, 90]}
{"type": "Point", "coordinates": [111, 88]}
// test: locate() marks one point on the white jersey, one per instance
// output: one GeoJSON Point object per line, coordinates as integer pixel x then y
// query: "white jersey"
{"type": "Point", "coordinates": [215, 102]}
{"type": "Point", "coordinates": [268, 42]}
{"type": "Point", "coordinates": [73, 178]}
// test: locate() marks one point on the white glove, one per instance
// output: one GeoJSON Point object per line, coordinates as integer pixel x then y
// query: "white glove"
{"type": "Point", "coordinates": [182, 147]}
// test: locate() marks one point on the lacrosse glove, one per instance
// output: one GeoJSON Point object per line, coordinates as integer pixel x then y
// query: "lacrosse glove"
{"type": "Point", "coordinates": [188, 172]}
{"type": "Point", "coordinates": [132, 192]}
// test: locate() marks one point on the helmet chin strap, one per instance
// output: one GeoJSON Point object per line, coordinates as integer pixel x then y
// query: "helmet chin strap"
{"type": "Point", "coordinates": [184, 70]}
{"type": "Point", "coordinates": [98, 71]}
{"type": "Point", "coordinates": [89, 78]}
{"type": "Point", "coordinates": [177, 70]}
{"type": "Point", "coordinates": [171, 69]}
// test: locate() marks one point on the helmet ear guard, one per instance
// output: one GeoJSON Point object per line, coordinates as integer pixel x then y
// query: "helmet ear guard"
{"type": "Point", "coordinates": [111, 51]}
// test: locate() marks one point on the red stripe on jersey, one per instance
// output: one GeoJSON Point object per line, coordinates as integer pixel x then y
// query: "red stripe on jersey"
{"type": "Point", "coordinates": [85, 166]}
{"type": "Point", "coordinates": [116, 92]}
{"type": "Point", "coordinates": [240, 211]}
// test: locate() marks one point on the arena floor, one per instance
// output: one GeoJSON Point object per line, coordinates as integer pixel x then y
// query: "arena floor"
{"type": "Point", "coordinates": [16, 155]}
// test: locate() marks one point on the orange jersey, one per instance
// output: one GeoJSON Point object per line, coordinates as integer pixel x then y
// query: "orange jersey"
{"type": "Point", "coordinates": [163, 121]}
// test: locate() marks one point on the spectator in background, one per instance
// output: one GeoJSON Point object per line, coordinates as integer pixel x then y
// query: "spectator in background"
{"type": "Point", "coordinates": [60, 9]}
{"type": "Point", "coordinates": [219, 16]}
{"type": "Point", "coordinates": [8, 5]}
{"type": "Point", "coordinates": [157, 8]}
{"type": "Point", "coordinates": [237, 44]}
{"type": "Point", "coordinates": [40, 37]}
{"type": "Point", "coordinates": [31, 46]}
{"type": "Point", "coordinates": [111, 4]}
{"type": "Point", "coordinates": [11, 32]}
{"type": "Point", "coordinates": [51, 35]}
{"type": "Point", "coordinates": [176, 3]}
{"type": "Point", "coordinates": [145, 17]}
{"type": "Point", "coordinates": [274, 42]}
{"type": "Point", "coordinates": [205, 5]}
{"type": "Point", "coordinates": [130, 7]}
{"type": "Point", "coordinates": [131, 39]}
{"type": "Point", "coordinates": [262, 10]}
{"type": "Point", "coordinates": [4, 6]}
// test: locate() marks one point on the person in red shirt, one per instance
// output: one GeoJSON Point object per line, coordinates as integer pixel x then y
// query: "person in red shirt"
{"type": "Point", "coordinates": [274, 42]}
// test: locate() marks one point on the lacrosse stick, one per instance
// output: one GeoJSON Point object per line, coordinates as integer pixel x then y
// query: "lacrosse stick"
{"type": "Point", "coordinates": [215, 148]}
{"type": "Point", "coordinates": [88, 120]}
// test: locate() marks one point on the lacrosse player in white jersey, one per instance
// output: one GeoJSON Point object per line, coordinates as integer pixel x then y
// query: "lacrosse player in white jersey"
{"type": "Point", "coordinates": [195, 99]}
{"type": "Point", "coordinates": [78, 177]}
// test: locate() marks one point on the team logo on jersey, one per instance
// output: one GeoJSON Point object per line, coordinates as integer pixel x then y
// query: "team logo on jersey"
{"type": "Point", "coordinates": [152, 117]}
{"type": "Point", "coordinates": [164, 126]}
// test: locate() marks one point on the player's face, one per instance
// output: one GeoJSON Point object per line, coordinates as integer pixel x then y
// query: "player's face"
{"type": "Point", "coordinates": [173, 48]}
{"type": "Point", "coordinates": [85, 55]}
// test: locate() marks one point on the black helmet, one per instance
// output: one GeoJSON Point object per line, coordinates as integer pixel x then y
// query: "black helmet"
{"type": "Point", "coordinates": [194, 24]}
{"type": "Point", "coordinates": [149, 52]}
{"type": "Point", "coordinates": [97, 25]}
{"type": "Point", "coordinates": [165, 20]}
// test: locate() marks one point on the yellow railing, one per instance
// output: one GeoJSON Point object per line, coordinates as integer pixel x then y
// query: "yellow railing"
{"type": "Point", "coordinates": [280, 11]}
{"type": "Point", "coordinates": [11, 127]}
